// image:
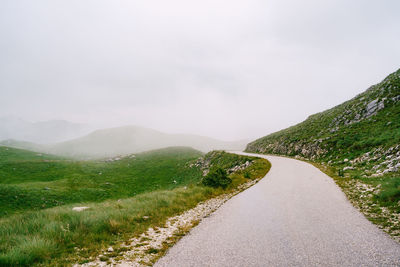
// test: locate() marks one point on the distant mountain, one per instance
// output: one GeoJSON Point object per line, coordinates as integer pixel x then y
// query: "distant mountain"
{"type": "Point", "coordinates": [44, 132]}
{"type": "Point", "coordinates": [126, 140]}
{"type": "Point", "coordinates": [22, 145]}
{"type": "Point", "coordinates": [363, 132]}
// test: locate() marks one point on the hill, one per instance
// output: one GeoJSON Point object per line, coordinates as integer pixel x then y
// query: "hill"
{"type": "Point", "coordinates": [364, 130]}
{"type": "Point", "coordinates": [358, 144]}
{"type": "Point", "coordinates": [122, 197]}
{"type": "Point", "coordinates": [9, 154]}
{"type": "Point", "coordinates": [43, 132]}
{"type": "Point", "coordinates": [29, 180]}
{"type": "Point", "coordinates": [126, 140]}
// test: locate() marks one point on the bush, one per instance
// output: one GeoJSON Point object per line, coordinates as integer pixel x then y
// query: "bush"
{"type": "Point", "coordinates": [217, 178]}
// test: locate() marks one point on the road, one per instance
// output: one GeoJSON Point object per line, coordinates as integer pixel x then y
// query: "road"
{"type": "Point", "coordinates": [295, 216]}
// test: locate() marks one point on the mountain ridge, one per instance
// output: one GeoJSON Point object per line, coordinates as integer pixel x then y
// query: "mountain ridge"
{"type": "Point", "coordinates": [124, 140]}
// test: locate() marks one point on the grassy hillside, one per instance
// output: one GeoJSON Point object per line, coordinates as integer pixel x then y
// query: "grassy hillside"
{"type": "Point", "coordinates": [369, 121]}
{"type": "Point", "coordinates": [8, 154]}
{"type": "Point", "coordinates": [30, 182]}
{"type": "Point", "coordinates": [125, 196]}
{"type": "Point", "coordinates": [125, 140]}
{"type": "Point", "coordinates": [358, 142]}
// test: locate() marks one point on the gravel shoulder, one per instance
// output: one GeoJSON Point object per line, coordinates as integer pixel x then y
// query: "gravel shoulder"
{"type": "Point", "coordinates": [297, 216]}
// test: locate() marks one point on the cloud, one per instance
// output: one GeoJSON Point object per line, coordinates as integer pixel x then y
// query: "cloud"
{"type": "Point", "coordinates": [229, 69]}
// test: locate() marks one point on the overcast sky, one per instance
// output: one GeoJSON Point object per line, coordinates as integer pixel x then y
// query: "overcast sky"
{"type": "Point", "coordinates": [223, 68]}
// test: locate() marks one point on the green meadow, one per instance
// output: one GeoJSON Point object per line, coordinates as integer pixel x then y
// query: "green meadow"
{"type": "Point", "coordinates": [125, 196]}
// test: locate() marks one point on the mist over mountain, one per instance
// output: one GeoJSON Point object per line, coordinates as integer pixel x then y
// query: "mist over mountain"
{"type": "Point", "coordinates": [134, 139]}
{"type": "Point", "coordinates": [125, 140]}
{"type": "Point", "coordinates": [44, 132]}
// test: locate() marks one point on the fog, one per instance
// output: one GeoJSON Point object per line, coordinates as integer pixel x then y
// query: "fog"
{"type": "Point", "coordinates": [226, 69]}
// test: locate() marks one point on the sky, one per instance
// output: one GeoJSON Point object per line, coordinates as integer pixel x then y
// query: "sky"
{"type": "Point", "coordinates": [222, 68]}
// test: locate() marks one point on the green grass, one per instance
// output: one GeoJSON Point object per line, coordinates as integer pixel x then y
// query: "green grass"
{"type": "Point", "coordinates": [385, 194]}
{"type": "Point", "coordinates": [340, 137]}
{"type": "Point", "coordinates": [143, 191]}
{"type": "Point", "coordinates": [225, 160]}
{"type": "Point", "coordinates": [349, 140]}
{"type": "Point", "coordinates": [390, 192]}
{"type": "Point", "coordinates": [8, 154]}
{"type": "Point", "coordinates": [31, 183]}
{"type": "Point", "coordinates": [314, 139]}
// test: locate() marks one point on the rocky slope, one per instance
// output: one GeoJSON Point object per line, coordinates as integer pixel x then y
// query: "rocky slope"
{"type": "Point", "coordinates": [363, 132]}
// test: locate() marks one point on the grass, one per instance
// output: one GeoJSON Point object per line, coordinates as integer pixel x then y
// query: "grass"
{"type": "Point", "coordinates": [29, 182]}
{"type": "Point", "coordinates": [336, 134]}
{"type": "Point", "coordinates": [225, 160]}
{"type": "Point", "coordinates": [377, 198]}
{"type": "Point", "coordinates": [344, 136]}
{"type": "Point", "coordinates": [144, 192]}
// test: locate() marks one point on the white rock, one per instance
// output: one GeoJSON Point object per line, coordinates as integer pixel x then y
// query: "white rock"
{"type": "Point", "coordinates": [346, 160]}
{"type": "Point", "coordinates": [80, 208]}
{"type": "Point", "coordinates": [110, 249]}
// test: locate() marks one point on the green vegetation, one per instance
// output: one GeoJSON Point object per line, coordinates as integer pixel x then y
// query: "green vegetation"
{"type": "Point", "coordinates": [124, 196]}
{"type": "Point", "coordinates": [378, 197]}
{"type": "Point", "coordinates": [390, 192]}
{"type": "Point", "coordinates": [346, 131]}
{"type": "Point", "coordinates": [28, 182]}
{"type": "Point", "coordinates": [124, 140]}
{"type": "Point", "coordinates": [8, 154]}
{"type": "Point", "coordinates": [357, 143]}
{"type": "Point", "coordinates": [225, 160]}
{"type": "Point", "coordinates": [217, 177]}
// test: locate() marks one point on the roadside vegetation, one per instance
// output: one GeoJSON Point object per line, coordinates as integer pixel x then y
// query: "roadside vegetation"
{"type": "Point", "coordinates": [378, 198]}
{"type": "Point", "coordinates": [124, 195]}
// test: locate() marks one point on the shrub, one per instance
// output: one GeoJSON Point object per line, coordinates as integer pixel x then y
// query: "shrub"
{"type": "Point", "coordinates": [217, 178]}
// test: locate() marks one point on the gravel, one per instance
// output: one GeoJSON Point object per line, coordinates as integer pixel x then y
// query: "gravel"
{"type": "Point", "coordinates": [296, 216]}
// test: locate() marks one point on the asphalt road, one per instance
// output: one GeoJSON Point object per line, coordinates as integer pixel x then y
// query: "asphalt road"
{"type": "Point", "coordinates": [295, 216]}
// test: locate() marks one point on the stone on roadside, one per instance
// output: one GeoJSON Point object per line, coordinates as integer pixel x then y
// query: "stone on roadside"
{"type": "Point", "coordinates": [80, 208]}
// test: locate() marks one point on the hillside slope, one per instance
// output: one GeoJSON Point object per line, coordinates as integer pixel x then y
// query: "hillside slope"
{"type": "Point", "coordinates": [121, 198]}
{"type": "Point", "coordinates": [29, 180]}
{"type": "Point", "coordinates": [127, 140]}
{"type": "Point", "coordinates": [358, 144]}
{"type": "Point", "coordinates": [362, 130]}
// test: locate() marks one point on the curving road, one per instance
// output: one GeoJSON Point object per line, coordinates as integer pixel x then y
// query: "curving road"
{"type": "Point", "coordinates": [295, 216]}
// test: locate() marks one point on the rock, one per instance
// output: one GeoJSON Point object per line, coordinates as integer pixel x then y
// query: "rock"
{"type": "Point", "coordinates": [348, 168]}
{"type": "Point", "coordinates": [373, 107]}
{"type": "Point", "coordinates": [346, 160]}
{"type": "Point", "coordinates": [110, 249]}
{"type": "Point", "coordinates": [80, 208]}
